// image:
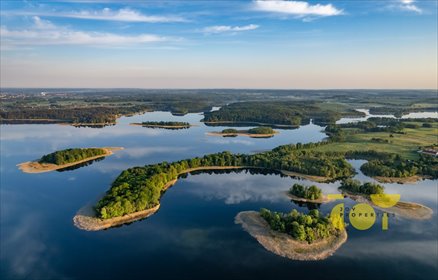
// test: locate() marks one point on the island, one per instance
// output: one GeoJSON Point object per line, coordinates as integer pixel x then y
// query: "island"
{"type": "Point", "coordinates": [66, 158]}
{"type": "Point", "coordinates": [257, 132]}
{"type": "Point", "coordinates": [164, 125]}
{"type": "Point", "coordinates": [373, 194]}
{"type": "Point", "coordinates": [311, 194]}
{"type": "Point", "coordinates": [294, 235]}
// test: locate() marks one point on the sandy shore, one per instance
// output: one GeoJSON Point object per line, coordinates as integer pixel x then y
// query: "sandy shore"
{"type": "Point", "coordinates": [284, 245]}
{"type": "Point", "coordinates": [243, 133]}
{"type": "Point", "coordinates": [411, 179]}
{"type": "Point", "coordinates": [36, 167]}
{"type": "Point", "coordinates": [253, 123]}
{"type": "Point", "coordinates": [323, 199]}
{"type": "Point", "coordinates": [407, 210]}
{"type": "Point", "coordinates": [86, 218]}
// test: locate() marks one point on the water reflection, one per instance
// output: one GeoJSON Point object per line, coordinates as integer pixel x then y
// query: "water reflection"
{"type": "Point", "coordinates": [83, 164]}
{"type": "Point", "coordinates": [308, 205]}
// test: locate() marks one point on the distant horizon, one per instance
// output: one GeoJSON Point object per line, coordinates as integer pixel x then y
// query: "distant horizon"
{"type": "Point", "coordinates": [213, 88]}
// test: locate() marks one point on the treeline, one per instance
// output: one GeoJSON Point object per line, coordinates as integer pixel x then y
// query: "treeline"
{"type": "Point", "coordinates": [140, 188]}
{"type": "Point", "coordinates": [303, 227]}
{"type": "Point", "coordinates": [355, 187]}
{"type": "Point", "coordinates": [230, 130]}
{"type": "Point", "coordinates": [163, 123]}
{"type": "Point", "coordinates": [273, 112]}
{"type": "Point", "coordinates": [261, 130]}
{"type": "Point", "coordinates": [338, 132]}
{"type": "Point", "coordinates": [395, 166]}
{"type": "Point", "coordinates": [73, 115]}
{"type": "Point", "coordinates": [71, 155]}
{"type": "Point", "coordinates": [312, 192]}
{"type": "Point", "coordinates": [403, 110]}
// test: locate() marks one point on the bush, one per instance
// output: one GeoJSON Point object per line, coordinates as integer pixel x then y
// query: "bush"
{"type": "Point", "coordinates": [303, 227]}
{"type": "Point", "coordinates": [312, 192]}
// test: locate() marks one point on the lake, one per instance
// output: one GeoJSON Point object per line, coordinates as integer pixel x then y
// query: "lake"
{"type": "Point", "coordinates": [193, 235]}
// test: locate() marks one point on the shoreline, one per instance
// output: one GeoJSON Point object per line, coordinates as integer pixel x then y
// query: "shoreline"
{"type": "Point", "coordinates": [91, 222]}
{"type": "Point", "coordinates": [162, 126]}
{"type": "Point", "coordinates": [242, 133]}
{"type": "Point", "coordinates": [404, 209]}
{"type": "Point", "coordinates": [36, 167]}
{"type": "Point", "coordinates": [252, 123]}
{"type": "Point", "coordinates": [401, 180]}
{"type": "Point", "coordinates": [284, 245]}
{"type": "Point", "coordinates": [315, 178]}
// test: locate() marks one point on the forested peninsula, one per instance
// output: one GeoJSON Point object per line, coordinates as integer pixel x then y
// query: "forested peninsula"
{"type": "Point", "coordinates": [140, 188]}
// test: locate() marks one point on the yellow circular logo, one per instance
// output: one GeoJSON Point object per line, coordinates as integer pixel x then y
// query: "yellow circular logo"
{"type": "Point", "coordinates": [362, 216]}
{"type": "Point", "coordinates": [337, 216]}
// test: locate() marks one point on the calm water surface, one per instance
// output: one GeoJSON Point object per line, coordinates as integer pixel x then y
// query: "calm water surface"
{"type": "Point", "coordinates": [193, 236]}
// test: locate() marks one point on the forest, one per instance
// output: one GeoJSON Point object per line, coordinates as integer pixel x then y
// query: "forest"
{"type": "Point", "coordinates": [293, 113]}
{"type": "Point", "coordinates": [292, 107]}
{"type": "Point", "coordinates": [261, 130]}
{"type": "Point", "coordinates": [395, 166]}
{"type": "Point", "coordinates": [311, 192]}
{"type": "Point", "coordinates": [229, 130]}
{"type": "Point", "coordinates": [105, 115]}
{"type": "Point", "coordinates": [140, 188]}
{"type": "Point", "coordinates": [303, 227]}
{"type": "Point", "coordinates": [71, 155]}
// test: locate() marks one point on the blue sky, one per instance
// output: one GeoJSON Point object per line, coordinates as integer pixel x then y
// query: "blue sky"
{"type": "Point", "coordinates": [219, 44]}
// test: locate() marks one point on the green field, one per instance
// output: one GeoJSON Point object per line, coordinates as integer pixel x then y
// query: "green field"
{"type": "Point", "coordinates": [406, 145]}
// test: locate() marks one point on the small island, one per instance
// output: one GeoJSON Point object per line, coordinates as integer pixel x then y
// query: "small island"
{"type": "Point", "coordinates": [311, 194]}
{"type": "Point", "coordinates": [164, 125]}
{"type": "Point", "coordinates": [257, 132]}
{"type": "Point", "coordinates": [373, 194]}
{"type": "Point", "coordinates": [295, 235]}
{"type": "Point", "coordinates": [66, 158]}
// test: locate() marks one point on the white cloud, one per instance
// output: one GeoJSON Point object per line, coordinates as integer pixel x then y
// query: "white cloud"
{"type": "Point", "coordinates": [43, 32]}
{"type": "Point", "coordinates": [228, 28]}
{"type": "Point", "coordinates": [121, 15]}
{"type": "Point", "coordinates": [408, 5]}
{"type": "Point", "coordinates": [125, 15]}
{"type": "Point", "coordinates": [138, 152]}
{"type": "Point", "coordinates": [297, 8]}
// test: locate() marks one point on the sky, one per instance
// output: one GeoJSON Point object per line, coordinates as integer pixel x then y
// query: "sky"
{"type": "Point", "coordinates": [313, 44]}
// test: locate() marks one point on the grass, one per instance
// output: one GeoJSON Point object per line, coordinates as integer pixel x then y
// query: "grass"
{"type": "Point", "coordinates": [406, 145]}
